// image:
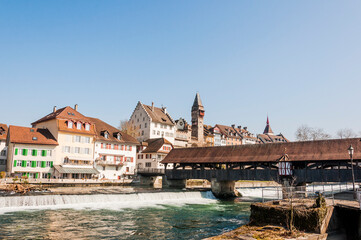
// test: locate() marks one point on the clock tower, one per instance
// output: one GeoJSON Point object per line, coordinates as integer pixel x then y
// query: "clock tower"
{"type": "Point", "coordinates": [197, 120]}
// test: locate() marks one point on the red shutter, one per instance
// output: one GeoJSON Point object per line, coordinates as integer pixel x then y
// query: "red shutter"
{"type": "Point", "coordinates": [130, 149]}
{"type": "Point", "coordinates": [122, 147]}
{"type": "Point", "coordinates": [101, 145]}
{"type": "Point", "coordinates": [131, 159]}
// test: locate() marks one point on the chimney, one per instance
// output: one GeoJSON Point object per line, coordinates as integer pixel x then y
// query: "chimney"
{"type": "Point", "coordinates": [245, 128]}
{"type": "Point", "coordinates": [76, 107]}
{"type": "Point", "coordinates": [165, 110]}
{"type": "Point", "coordinates": [240, 127]}
{"type": "Point", "coordinates": [233, 125]}
{"type": "Point", "coordinates": [152, 106]}
{"type": "Point", "coordinates": [54, 109]}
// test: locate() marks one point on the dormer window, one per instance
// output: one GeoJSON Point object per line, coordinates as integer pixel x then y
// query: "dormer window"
{"type": "Point", "coordinates": [87, 127]}
{"type": "Point", "coordinates": [119, 136]}
{"type": "Point", "coordinates": [106, 135]}
{"type": "Point", "coordinates": [70, 124]}
{"type": "Point", "coordinates": [78, 125]}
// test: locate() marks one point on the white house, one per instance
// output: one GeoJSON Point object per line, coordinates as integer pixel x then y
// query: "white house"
{"type": "Point", "coordinates": [151, 152]}
{"type": "Point", "coordinates": [114, 151]}
{"type": "Point", "coordinates": [151, 122]}
{"type": "Point", "coordinates": [31, 152]}
{"type": "Point", "coordinates": [3, 147]}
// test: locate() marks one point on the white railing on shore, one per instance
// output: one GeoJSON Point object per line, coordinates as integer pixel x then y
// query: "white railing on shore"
{"type": "Point", "coordinates": [46, 180]}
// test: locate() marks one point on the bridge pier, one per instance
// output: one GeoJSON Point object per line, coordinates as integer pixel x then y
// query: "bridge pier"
{"type": "Point", "coordinates": [154, 181]}
{"type": "Point", "coordinates": [223, 189]}
{"type": "Point", "coordinates": [174, 183]}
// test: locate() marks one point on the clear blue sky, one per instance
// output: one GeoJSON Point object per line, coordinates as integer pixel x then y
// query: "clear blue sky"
{"type": "Point", "coordinates": [298, 61]}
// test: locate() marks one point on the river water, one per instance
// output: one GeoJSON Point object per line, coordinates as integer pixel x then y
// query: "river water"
{"type": "Point", "coordinates": [161, 215]}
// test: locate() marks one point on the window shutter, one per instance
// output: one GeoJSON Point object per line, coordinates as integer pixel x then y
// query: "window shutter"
{"type": "Point", "coordinates": [25, 152]}
{"type": "Point", "coordinates": [131, 159]}
{"type": "Point", "coordinates": [43, 153]}
{"type": "Point", "coordinates": [14, 163]}
{"type": "Point", "coordinates": [51, 164]}
{"type": "Point", "coordinates": [33, 164]}
{"type": "Point", "coordinates": [35, 152]}
{"type": "Point", "coordinates": [23, 163]}
{"type": "Point", "coordinates": [43, 164]}
{"type": "Point", "coordinates": [36, 175]}
{"type": "Point", "coordinates": [130, 148]}
{"type": "Point", "coordinates": [16, 151]}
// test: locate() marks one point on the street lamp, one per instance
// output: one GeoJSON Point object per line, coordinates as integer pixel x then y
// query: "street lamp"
{"type": "Point", "coordinates": [350, 152]}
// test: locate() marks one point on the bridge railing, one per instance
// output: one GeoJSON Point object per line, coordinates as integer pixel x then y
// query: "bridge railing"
{"type": "Point", "coordinates": [150, 171]}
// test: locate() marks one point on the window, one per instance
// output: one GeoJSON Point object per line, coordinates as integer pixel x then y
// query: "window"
{"type": "Point", "coordinates": [70, 124]}
{"type": "Point", "coordinates": [86, 151]}
{"type": "Point", "coordinates": [28, 163]}
{"type": "Point", "coordinates": [77, 138]}
{"type": "Point", "coordinates": [38, 164]}
{"type": "Point", "coordinates": [153, 132]}
{"type": "Point", "coordinates": [155, 125]}
{"type": "Point", "coordinates": [142, 133]}
{"type": "Point", "coordinates": [78, 125]}
{"type": "Point", "coordinates": [118, 136]}
{"type": "Point", "coordinates": [87, 127]}
{"type": "Point", "coordinates": [44, 175]}
{"type": "Point", "coordinates": [145, 125]}
{"type": "Point", "coordinates": [86, 139]}
{"type": "Point", "coordinates": [67, 149]}
{"type": "Point", "coordinates": [18, 163]}
{"type": "Point", "coordinates": [148, 164]}
{"type": "Point", "coordinates": [77, 149]}
{"type": "Point", "coordinates": [158, 133]}
{"type": "Point", "coordinates": [106, 135]}
{"type": "Point", "coordinates": [49, 164]}
{"type": "Point", "coordinates": [3, 153]}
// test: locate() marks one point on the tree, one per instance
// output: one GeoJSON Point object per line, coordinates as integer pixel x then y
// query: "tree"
{"type": "Point", "coordinates": [128, 128]}
{"type": "Point", "coordinates": [306, 133]}
{"type": "Point", "coordinates": [346, 133]}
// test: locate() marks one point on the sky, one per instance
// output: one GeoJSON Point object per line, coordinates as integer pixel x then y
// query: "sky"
{"type": "Point", "coordinates": [299, 62]}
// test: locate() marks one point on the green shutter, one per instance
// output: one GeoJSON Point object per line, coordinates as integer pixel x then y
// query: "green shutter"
{"type": "Point", "coordinates": [34, 152]}
{"type": "Point", "coordinates": [16, 151]}
{"type": "Point", "coordinates": [23, 163]}
{"type": "Point", "coordinates": [36, 175]}
{"type": "Point", "coordinates": [33, 164]}
{"type": "Point", "coordinates": [25, 152]}
{"type": "Point", "coordinates": [51, 164]}
{"type": "Point", "coordinates": [14, 163]}
{"type": "Point", "coordinates": [49, 175]}
{"type": "Point", "coordinates": [43, 164]}
{"type": "Point", "coordinates": [43, 153]}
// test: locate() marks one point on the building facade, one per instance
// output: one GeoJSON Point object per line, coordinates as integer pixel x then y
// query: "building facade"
{"type": "Point", "coordinates": [31, 152]}
{"type": "Point", "coordinates": [151, 152]}
{"type": "Point", "coordinates": [3, 146]}
{"type": "Point", "coordinates": [182, 133]}
{"type": "Point", "coordinates": [75, 135]}
{"type": "Point", "coordinates": [232, 135]}
{"type": "Point", "coordinates": [115, 151]}
{"type": "Point", "coordinates": [150, 122]}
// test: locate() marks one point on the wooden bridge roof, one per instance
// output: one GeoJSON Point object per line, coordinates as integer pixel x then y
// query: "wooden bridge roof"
{"type": "Point", "coordinates": [323, 150]}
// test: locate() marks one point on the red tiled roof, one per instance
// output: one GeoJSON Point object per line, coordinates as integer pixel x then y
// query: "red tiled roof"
{"type": "Point", "coordinates": [27, 135]}
{"type": "Point", "coordinates": [324, 150]}
{"type": "Point", "coordinates": [3, 131]}
{"type": "Point", "coordinates": [155, 145]}
{"type": "Point", "coordinates": [101, 126]}
{"type": "Point", "coordinates": [67, 113]}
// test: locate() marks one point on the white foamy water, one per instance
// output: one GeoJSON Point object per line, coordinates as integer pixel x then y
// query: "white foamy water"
{"type": "Point", "coordinates": [103, 201]}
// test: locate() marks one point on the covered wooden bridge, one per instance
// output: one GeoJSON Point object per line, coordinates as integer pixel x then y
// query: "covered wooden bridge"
{"type": "Point", "coordinates": [301, 162]}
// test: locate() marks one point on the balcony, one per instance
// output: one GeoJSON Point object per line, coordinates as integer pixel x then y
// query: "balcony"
{"type": "Point", "coordinates": [108, 163]}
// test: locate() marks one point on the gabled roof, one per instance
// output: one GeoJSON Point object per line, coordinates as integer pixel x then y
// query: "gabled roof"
{"type": "Point", "coordinates": [155, 145]}
{"type": "Point", "coordinates": [234, 132]}
{"type": "Point", "coordinates": [26, 135]}
{"type": "Point", "coordinates": [158, 115]}
{"type": "Point", "coordinates": [101, 126]}
{"type": "Point", "coordinates": [3, 131]}
{"type": "Point", "coordinates": [67, 113]}
{"type": "Point", "coordinates": [323, 150]}
{"type": "Point", "coordinates": [265, 138]}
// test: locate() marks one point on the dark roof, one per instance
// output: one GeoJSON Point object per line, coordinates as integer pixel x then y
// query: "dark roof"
{"type": "Point", "coordinates": [3, 131]}
{"type": "Point", "coordinates": [234, 132]}
{"type": "Point", "coordinates": [323, 150]}
{"type": "Point", "coordinates": [267, 129]}
{"type": "Point", "coordinates": [101, 126]}
{"type": "Point", "coordinates": [270, 138]}
{"type": "Point", "coordinates": [155, 145]}
{"type": "Point", "coordinates": [28, 135]}
{"type": "Point", "coordinates": [158, 115]}
{"type": "Point", "coordinates": [197, 104]}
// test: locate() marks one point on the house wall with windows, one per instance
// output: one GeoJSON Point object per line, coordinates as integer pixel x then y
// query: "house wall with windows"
{"type": "Point", "coordinates": [150, 156]}
{"type": "Point", "coordinates": [115, 160]}
{"type": "Point", "coordinates": [34, 161]}
{"type": "Point", "coordinates": [3, 155]}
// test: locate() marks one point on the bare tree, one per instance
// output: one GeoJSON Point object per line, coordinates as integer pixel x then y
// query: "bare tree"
{"type": "Point", "coordinates": [129, 128]}
{"type": "Point", "coordinates": [306, 133]}
{"type": "Point", "coordinates": [346, 133]}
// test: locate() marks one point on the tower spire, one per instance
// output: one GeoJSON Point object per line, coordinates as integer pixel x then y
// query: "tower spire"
{"type": "Point", "coordinates": [268, 129]}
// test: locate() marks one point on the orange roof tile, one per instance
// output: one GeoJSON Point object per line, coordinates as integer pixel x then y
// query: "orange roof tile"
{"type": "Point", "coordinates": [28, 135]}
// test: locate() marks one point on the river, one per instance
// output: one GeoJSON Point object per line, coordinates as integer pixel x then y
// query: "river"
{"type": "Point", "coordinates": [158, 215]}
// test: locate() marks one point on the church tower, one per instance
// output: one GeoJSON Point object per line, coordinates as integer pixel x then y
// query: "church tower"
{"type": "Point", "coordinates": [197, 119]}
{"type": "Point", "coordinates": [268, 129]}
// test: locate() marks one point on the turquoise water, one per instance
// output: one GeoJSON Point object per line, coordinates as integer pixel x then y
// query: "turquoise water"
{"type": "Point", "coordinates": [164, 221]}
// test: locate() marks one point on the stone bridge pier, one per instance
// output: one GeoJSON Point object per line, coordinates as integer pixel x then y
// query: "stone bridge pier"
{"type": "Point", "coordinates": [223, 189]}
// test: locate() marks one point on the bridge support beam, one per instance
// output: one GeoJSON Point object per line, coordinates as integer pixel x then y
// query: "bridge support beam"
{"type": "Point", "coordinates": [154, 181]}
{"type": "Point", "coordinates": [223, 189]}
